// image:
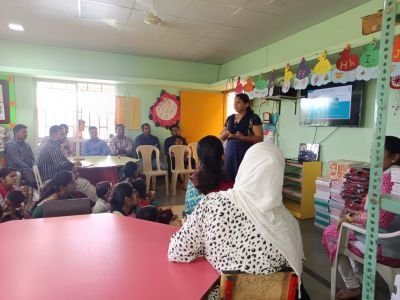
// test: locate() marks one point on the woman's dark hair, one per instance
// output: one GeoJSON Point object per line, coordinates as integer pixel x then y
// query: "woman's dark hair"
{"type": "Point", "coordinates": [15, 197]}
{"type": "Point", "coordinates": [62, 179]}
{"type": "Point", "coordinates": [392, 145]}
{"type": "Point", "coordinates": [130, 170]}
{"type": "Point", "coordinates": [66, 166]}
{"type": "Point", "coordinates": [4, 172]}
{"type": "Point", "coordinates": [118, 195]}
{"type": "Point", "coordinates": [245, 98]}
{"type": "Point", "coordinates": [140, 187]}
{"type": "Point", "coordinates": [102, 188]}
{"type": "Point", "coordinates": [148, 213]}
{"type": "Point", "coordinates": [211, 173]}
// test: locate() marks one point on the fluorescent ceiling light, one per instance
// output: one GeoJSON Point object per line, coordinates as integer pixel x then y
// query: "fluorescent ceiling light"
{"type": "Point", "coordinates": [16, 27]}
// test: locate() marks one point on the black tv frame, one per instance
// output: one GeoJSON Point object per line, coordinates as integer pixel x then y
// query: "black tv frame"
{"type": "Point", "coordinates": [357, 99]}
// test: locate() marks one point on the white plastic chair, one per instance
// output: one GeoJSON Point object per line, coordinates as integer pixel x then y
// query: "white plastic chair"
{"type": "Point", "coordinates": [193, 148]}
{"type": "Point", "coordinates": [178, 153]}
{"type": "Point", "coordinates": [146, 152]}
{"type": "Point", "coordinates": [38, 178]}
{"type": "Point", "coordinates": [387, 273]}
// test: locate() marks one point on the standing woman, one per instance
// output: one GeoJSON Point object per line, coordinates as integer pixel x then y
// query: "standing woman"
{"type": "Point", "coordinates": [242, 130]}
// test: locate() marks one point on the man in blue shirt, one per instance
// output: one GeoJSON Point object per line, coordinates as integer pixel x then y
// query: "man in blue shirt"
{"type": "Point", "coordinates": [95, 146]}
{"type": "Point", "coordinates": [146, 138]}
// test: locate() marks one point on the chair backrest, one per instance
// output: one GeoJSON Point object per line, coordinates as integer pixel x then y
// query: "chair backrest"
{"type": "Point", "coordinates": [146, 152]}
{"type": "Point", "coordinates": [193, 147]}
{"type": "Point", "coordinates": [38, 178]}
{"type": "Point", "coordinates": [178, 152]}
{"type": "Point", "coordinates": [67, 207]}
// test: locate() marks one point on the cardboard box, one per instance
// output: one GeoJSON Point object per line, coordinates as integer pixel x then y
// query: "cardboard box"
{"type": "Point", "coordinates": [373, 23]}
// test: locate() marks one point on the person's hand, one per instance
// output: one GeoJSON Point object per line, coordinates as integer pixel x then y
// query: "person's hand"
{"type": "Point", "coordinates": [236, 136]}
{"type": "Point", "coordinates": [349, 218]}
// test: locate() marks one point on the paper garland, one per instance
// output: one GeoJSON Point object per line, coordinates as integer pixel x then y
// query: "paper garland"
{"type": "Point", "coordinates": [348, 68]}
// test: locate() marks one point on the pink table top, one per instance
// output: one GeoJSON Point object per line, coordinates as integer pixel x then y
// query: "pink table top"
{"type": "Point", "coordinates": [95, 257]}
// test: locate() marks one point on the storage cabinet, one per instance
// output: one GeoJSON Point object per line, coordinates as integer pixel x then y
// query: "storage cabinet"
{"type": "Point", "coordinates": [299, 188]}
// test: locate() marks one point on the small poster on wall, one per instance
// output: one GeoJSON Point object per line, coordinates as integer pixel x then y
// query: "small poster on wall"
{"type": "Point", "coordinates": [4, 102]}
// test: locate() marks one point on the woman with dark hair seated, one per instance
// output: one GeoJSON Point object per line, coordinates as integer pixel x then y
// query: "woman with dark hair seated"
{"type": "Point", "coordinates": [210, 173]}
{"type": "Point", "coordinates": [58, 188]}
{"type": "Point", "coordinates": [83, 186]}
{"type": "Point", "coordinates": [123, 199]}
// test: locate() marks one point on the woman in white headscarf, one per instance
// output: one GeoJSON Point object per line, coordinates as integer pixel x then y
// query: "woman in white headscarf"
{"type": "Point", "coordinates": [246, 228]}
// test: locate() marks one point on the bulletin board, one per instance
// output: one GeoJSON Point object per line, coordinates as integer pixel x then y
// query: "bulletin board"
{"type": "Point", "coordinates": [127, 111]}
{"type": "Point", "coordinates": [7, 100]}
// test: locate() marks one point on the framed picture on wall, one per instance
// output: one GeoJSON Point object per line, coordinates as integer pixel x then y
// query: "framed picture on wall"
{"type": "Point", "coordinates": [4, 102]}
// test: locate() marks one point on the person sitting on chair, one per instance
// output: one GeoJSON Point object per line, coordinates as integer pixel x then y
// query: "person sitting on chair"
{"type": "Point", "coordinates": [146, 138]}
{"type": "Point", "coordinates": [50, 155]}
{"type": "Point", "coordinates": [95, 146]}
{"type": "Point", "coordinates": [121, 144]}
{"type": "Point", "coordinates": [247, 228]}
{"type": "Point", "coordinates": [19, 155]}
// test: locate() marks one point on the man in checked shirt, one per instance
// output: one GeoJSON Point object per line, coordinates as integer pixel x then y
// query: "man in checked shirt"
{"type": "Point", "coordinates": [121, 144]}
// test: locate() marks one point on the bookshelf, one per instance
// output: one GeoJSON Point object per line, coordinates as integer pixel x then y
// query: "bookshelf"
{"type": "Point", "coordinates": [299, 188]}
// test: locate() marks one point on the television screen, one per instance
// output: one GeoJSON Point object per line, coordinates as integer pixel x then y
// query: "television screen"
{"type": "Point", "coordinates": [332, 105]}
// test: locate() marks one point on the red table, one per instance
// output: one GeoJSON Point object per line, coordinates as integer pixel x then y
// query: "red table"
{"type": "Point", "coordinates": [99, 257]}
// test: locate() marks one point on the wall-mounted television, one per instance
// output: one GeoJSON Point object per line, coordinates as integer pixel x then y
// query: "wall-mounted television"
{"type": "Point", "coordinates": [332, 105]}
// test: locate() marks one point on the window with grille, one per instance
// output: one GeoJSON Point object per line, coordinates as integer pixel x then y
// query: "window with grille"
{"type": "Point", "coordinates": [69, 102]}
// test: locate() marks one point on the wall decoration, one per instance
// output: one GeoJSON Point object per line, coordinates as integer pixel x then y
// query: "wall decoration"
{"type": "Point", "coordinates": [249, 87]}
{"type": "Point", "coordinates": [301, 78]}
{"type": "Point", "coordinates": [7, 100]}
{"type": "Point", "coordinates": [369, 59]}
{"type": "Point", "coordinates": [395, 69]}
{"type": "Point", "coordinates": [127, 112]}
{"type": "Point", "coordinates": [348, 61]}
{"type": "Point", "coordinates": [395, 82]}
{"type": "Point", "coordinates": [322, 70]}
{"type": "Point", "coordinates": [287, 77]}
{"type": "Point", "coordinates": [165, 111]}
{"type": "Point", "coordinates": [239, 86]}
{"type": "Point", "coordinates": [261, 87]}
{"type": "Point", "coordinates": [271, 83]}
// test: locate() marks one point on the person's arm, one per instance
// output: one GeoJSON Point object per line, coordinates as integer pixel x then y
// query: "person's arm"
{"type": "Point", "coordinates": [12, 153]}
{"type": "Point", "coordinates": [113, 147]}
{"type": "Point", "coordinates": [129, 146]}
{"type": "Point", "coordinates": [255, 138]}
{"type": "Point", "coordinates": [85, 150]}
{"type": "Point", "coordinates": [57, 156]}
{"type": "Point", "coordinates": [157, 143]}
{"type": "Point", "coordinates": [105, 150]}
{"type": "Point", "coordinates": [187, 244]}
{"type": "Point", "coordinates": [224, 134]}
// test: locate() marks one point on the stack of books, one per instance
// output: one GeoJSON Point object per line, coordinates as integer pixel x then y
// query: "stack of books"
{"type": "Point", "coordinates": [321, 202]}
{"type": "Point", "coordinates": [396, 181]}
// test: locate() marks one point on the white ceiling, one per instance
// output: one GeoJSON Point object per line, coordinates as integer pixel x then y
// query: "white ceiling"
{"type": "Point", "coordinates": [208, 31]}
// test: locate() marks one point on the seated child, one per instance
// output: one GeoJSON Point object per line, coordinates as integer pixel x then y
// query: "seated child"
{"type": "Point", "coordinates": [146, 204]}
{"type": "Point", "coordinates": [123, 200]}
{"type": "Point", "coordinates": [14, 207]}
{"type": "Point", "coordinates": [103, 190]}
{"type": "Point", "coordinates": [131, 173]}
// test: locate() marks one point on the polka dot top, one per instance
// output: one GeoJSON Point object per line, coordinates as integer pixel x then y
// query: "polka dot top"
{"type": "Point", "coordinates": [220, 231]}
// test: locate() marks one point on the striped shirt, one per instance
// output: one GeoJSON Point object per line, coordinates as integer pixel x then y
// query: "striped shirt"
{"type": "Point", "coordinates": [19, 154]}
{"type": "Point", "coordinates": [49, 159]}
{"type": "Point", "coordinates": [121, 146]}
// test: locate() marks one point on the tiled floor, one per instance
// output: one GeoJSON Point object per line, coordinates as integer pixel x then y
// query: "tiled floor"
{"type": "Point", "coordinates": [316, 276]}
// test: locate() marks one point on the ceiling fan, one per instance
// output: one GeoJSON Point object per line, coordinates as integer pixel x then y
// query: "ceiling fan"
{"type": "Point", "coordinates": [151, 17]}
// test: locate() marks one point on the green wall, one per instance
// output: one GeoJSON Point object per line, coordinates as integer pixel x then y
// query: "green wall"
{"type": "Point", "coordinates": [344, 143]}
{"type": "Point", "coordinates": [37, 60]}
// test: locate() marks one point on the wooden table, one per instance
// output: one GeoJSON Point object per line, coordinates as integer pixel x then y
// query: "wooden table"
{"type": "Point", "coordinates": [99, 257]}
{"type": "Point", "coordinates": [101, 168]}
